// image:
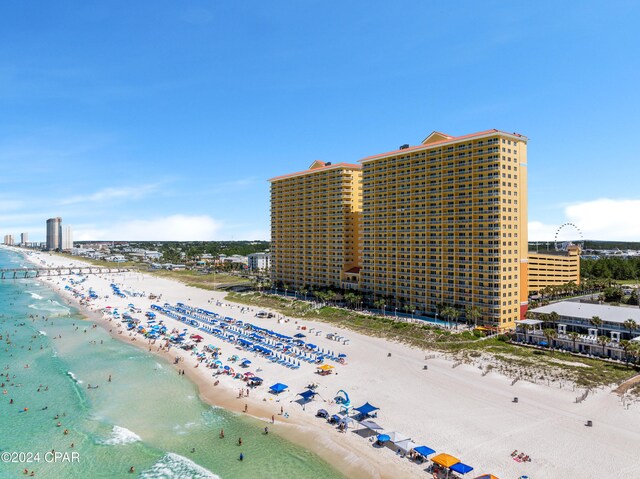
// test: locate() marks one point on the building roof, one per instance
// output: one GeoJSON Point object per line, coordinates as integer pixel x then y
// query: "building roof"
{"type": "Point", "coordinates": [609, 314]}
{"type": "Point", "coordinates": [315, 168]}
{"type": "Point", "coordinates": [427, 144]}
{"type": "Point", "coordinates": [530, 322]}
{"type": "Point", "coordinates": [354, 270]}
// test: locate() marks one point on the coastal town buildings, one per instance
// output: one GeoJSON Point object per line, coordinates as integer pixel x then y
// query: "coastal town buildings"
{"type": "Point", "coordinates": [8, 240]}
{"type": "Point", "coordinates": [24, 238]}
{"type": "Point", "coordinates": [443, 223]}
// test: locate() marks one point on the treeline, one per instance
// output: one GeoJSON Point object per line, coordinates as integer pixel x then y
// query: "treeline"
{"type": "Point", "coordinates": [611, 267]}
{"type": "Point", "coordinates": [172, 251]}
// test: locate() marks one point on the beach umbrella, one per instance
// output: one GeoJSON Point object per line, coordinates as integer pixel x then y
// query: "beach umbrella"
{"type": "Point", "coordinates": [383, 437]}
{"type": "Point", "coordinates": [342, 355]}
{"type": "Point", "coordinates": [300, 335]}
{"type": "Point", "coordinates": [487, 476]}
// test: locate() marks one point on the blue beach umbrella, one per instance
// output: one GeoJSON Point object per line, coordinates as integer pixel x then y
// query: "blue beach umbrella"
{"type": "Point", "coordinates": [383, 437]}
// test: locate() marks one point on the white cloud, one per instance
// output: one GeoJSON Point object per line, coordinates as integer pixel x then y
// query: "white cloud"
{"type": "Point", "coordinates": [107, 194]}
{"type": "Point", "coordinates": [601, 219]}
{"type": "Point", "coordinates": [168, 228]}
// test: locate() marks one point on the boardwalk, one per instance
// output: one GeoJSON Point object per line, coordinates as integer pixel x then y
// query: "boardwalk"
{"type": "Point", "coordinates": [16, 273]}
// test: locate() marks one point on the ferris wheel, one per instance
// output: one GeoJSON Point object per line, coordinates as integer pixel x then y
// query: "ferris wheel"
{"type": "Point", "coordinates": [567, 235]}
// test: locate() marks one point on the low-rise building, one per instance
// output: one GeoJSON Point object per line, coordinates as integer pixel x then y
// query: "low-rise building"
{"type": "Point", "coordinates": [553, 269]}
{"type": "Point", "coordinates": [614, 323]}
{"type": "Point", "coordinates": [259, 261]}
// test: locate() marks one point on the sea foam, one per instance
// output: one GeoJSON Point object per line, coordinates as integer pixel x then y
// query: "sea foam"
{"type": "Point", "coordinates": [73, 376]}
{"type": "Point", "coordinates": [174, 466]}
{"type": "Point", "coordinates": [35, 295]}
{"type": "Point", "coordinates": [120, 435]}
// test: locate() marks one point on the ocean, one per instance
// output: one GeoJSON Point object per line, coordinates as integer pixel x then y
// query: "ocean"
{"type": "Point", "coordinates": [147, 417]}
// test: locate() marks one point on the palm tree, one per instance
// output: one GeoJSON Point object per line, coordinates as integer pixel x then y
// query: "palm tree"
{"type": "Point", "coordinates": [553, 317]}
{"type": "Point", "coordinates": [597, 322]}
{"type": "Point", "coordinates": [380, 304]}
{"type": "Point", "coordinates": [574, 337]}
{"type": "Point", "coordinates": [603, 341]}
{"type": "Point", "coordinates": [626, 347]}
{"type": "Point", "coordinates": [450, 313]}
{"type": "Point", "coordinates": [527, 328]}
{"type": "Point", "coordinates": [630, 325]}
{"type": "Point", "coordinates": [473, 314]}
{"type": "Point", "coordinates": [550, 334]}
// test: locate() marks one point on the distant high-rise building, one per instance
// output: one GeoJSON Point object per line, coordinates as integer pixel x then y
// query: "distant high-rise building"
{"type": "Point", "coordinates": [54, 233]}
{"type": "Point", "coordinates": [24, 238]}
{"type": "Point", "coordinates": [67, 238]}
{"type": "Point", "coordinates": [8, 240]}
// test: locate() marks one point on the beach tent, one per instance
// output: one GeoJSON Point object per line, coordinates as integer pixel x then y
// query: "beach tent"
{"type": "Point", "coordinates": [406, 445]}
{"type": "Point", "coordinates": [396, 437]}
{"type": "Point", "coordinates": [424, 450]}
{"type": "Point", "coordinates": [374, 426]}
{"type": "Point", "coordinates": [486, 476]}
{"type": "Point", "coordinates": [308, 394]}
{"type": "Point", "coordinates": [325, 368]}
{"type": "Point", "coordinates": [445, 460]}
{"type": "Point", "coordinates": [299, 335]}
{"type": "Point", "coordinates": [278, 388]}
{"type": "Point", "coordinates": [461, 468]}
{"type": "Point", "coordinates": [366, 408]}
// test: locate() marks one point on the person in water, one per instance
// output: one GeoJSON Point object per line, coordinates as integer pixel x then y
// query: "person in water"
{"type": "Point", "coordinates": [241, 456]}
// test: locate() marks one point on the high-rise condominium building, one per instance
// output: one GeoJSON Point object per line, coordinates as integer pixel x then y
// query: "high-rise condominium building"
{"type": "Point", "coordinates": [66, 241]}
{"type": "Point", "coordinates": [314, 225]}
{"type": "Point", "coordinates": [8, 240]}
{"type": "Point", "coordinates": [443, 223]}
{"type": "Point", "coordinates": [54, 233]}
{"type": "Point", "coordinates": [24, 238]}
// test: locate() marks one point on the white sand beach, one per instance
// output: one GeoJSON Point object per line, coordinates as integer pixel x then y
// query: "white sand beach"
{"type": "Point", "coordinates": [454, 410]}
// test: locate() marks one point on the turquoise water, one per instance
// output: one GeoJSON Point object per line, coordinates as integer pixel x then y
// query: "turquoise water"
{"type": "Point", "coordinates": [148, 416]}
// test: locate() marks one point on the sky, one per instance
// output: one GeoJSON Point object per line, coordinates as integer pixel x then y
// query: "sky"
{"type": "Point", "coordinates": [163, 120]}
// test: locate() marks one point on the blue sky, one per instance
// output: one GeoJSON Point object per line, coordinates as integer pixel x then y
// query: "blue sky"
{"type": "Point", "coordinates": [163, 120]}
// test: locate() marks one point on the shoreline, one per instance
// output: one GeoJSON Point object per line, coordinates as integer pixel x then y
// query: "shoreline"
{"type": "Point", "coordinates": [457, 410]}
{"type": "Point", "coordinates": [346, 459]}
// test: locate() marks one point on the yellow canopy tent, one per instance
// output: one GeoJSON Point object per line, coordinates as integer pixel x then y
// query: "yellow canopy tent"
{"type": "Point", "coordinates": [325, 367]}
{"type": "Point", "coordinates": [445, 460]}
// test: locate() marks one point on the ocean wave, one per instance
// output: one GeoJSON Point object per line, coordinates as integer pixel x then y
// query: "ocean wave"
{"type": "Point", "coordinates": [120, 435]}
{"type": "Point", "coordinates": [42, 333]}
{"type": "Point", "coordinates": [35, 295]}
{"type": "Point", "coordinates": [174, 466]}
{"type": "Point", "coordinates": [73, 376]}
